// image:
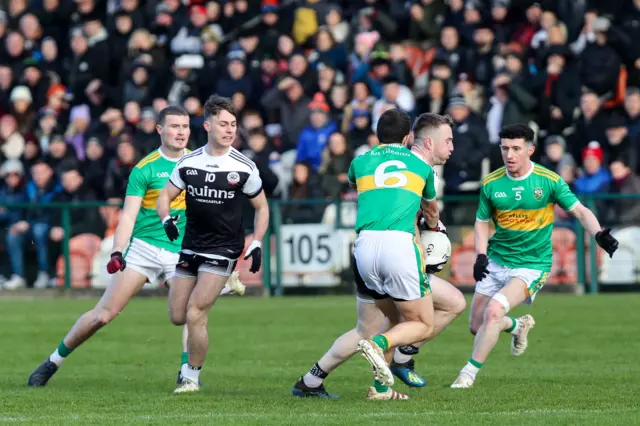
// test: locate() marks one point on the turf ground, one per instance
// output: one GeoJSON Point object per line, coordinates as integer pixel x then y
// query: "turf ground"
{"type": "Point", "coordinates": [581, 367]}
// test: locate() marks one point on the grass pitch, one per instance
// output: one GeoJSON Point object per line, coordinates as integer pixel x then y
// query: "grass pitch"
{"type": "Point", "coordinates": [581, 367]}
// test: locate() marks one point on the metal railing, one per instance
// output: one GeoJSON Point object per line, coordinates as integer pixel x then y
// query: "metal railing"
{"type": "Point", "coordinates": [281, 217]}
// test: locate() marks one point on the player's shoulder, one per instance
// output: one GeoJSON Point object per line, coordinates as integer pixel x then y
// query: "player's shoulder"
{"type": "Point", "coordinates": [191, 156]}
{"type": "Point", "coordinates": [544, 173]}
{"type": "Point", "coordinates": [494, 176]}
{"type": "Point", "coordinates": [149, 159]}
{"type": "Point", "coordinates": [241, 160]}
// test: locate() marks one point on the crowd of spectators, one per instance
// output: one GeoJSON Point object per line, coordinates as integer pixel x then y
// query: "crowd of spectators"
{"type": "Point", "coordinates": [82, 81]}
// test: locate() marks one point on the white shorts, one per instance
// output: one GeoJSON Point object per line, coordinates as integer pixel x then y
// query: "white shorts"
{"type": "Point", "coordinates": [391, 264]}
{"type": "Point", "coordinates": [500, 275]}
{"type": "Point", "coordinates": [155, 263]}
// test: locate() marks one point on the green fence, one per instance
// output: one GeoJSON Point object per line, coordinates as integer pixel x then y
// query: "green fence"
{"type": "Point", "coordinates": [303, 242]}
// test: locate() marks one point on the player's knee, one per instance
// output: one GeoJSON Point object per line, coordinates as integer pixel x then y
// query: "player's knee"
{"type": "Point", "coordinates": [177, 317]}
{"type": "Point", "coordinates": [104, 316]}
{"type": "Point", "coordinates": [494, 312]}
{"type": "Point", "coordinates": [429, 331]}
{"type": "Point", "coordinates": [196, 315]}
{"type": "Point", "coordinates": [459, 304]}
{"type": "Point", "coordinates": [474, 326]}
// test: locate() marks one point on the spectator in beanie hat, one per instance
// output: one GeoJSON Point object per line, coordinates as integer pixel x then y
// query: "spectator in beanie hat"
{"type": "Point", "coordinates": [314, 137]}
{"type": "Point", "coordinates": [596, 177]}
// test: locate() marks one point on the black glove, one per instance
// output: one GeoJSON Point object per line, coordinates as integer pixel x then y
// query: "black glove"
{"type": "Point", "coordinates": [170, 227]}
{"type": "Point", "coordinates": [606, 241]}
{"type": "Point", "coordinates": [255, 251]}
{"type": "Point", "coordinates": [480, 268]}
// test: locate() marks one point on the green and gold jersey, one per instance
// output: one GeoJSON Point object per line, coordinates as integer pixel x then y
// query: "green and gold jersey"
{"type": "Point", "coordinates": [522, 210]}
{"type": "Point", "coordinates": [147, 180]}
{"type": "Point", "coordinates": [390, 180]}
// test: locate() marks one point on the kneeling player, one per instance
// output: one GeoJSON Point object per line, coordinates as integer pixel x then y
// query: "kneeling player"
{"type": "Point", "coordinates": [514, 264]}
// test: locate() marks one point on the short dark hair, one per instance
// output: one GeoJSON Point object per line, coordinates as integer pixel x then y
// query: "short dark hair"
{"type": "Point", "coordinates": [393, 126]}
{"type": "Point", "coordinates": [517, 131]}
{"type": "Point", "coordinates": [257, 132]}
{"type": "Point", "coordinates": [429, 121]}
{"type": "Point", "coordinates": [171, 110]}
{"type": "Point", "coordinates": [215, 104]}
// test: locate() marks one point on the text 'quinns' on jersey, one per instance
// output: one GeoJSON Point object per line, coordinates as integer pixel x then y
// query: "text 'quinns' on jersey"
{"type": "Point", "coordinates": [390, 180]}
{"type": "Point", "coordinates": [147, 180]}
{"type": "Point", "coordinates": [215, 188]}
{"type": "Point", "coordinates": [522, 209]}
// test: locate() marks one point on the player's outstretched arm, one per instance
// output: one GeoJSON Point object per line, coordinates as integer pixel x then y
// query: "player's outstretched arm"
{"type": "Point", "coordinates": [590, 222]}
{"type": "Point", "coordinates": [127, 221]}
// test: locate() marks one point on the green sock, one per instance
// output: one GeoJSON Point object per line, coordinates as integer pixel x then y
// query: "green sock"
{"type": "Point", "coordinates": [514, 324]}
{"type": "Point", "coordinates": [475, 363]}
{"type": "Point", "coordinates": [185, 358]}
{"type": "Point", "coordinates": [63, 350]}
{"type": "Point", "coordinates": [382, 341]}
{"type": "Point", "coordinates": [380, 387]}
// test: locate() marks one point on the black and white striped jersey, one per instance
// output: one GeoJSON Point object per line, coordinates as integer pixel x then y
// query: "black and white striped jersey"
{"type": "Point", "coordinates": [215, 186]}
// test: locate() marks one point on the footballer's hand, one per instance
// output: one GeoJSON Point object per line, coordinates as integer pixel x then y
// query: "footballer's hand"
{"type": "Point", "coordinates": [607, 241]}
{"type": "Point", "coordinates": [434, 269]}
{"type": "Point", "coordinates": [116, 263]}
{"type": "Point", "coordinates": [255, 251]}
{"type": "Point", "coordinates": [440, 228]}
{"type": "Point", "coordinates": [480, 268]}
{"type": "Point", "coordinates": [170, 227]}
{"type": "Point", "coordinates": [424, 226]}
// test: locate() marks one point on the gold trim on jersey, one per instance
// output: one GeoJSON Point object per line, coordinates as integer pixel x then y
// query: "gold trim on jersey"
{"type": "Point", "coordinates": [494, 176]}
{"type": "Point", "coordinates": [524, 220]}
{"type": "Point", "coordinates": [151, 198]}
{"type": "Point", "coordinates": [539, 171]}
{"type": "Point", "coordinates": [148, 159]}
{"type": "Point", "coordinates": [414, 183]}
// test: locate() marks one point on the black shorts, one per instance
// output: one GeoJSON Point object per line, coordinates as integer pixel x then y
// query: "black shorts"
{"type": "Point", "coordinates": [189, 264]}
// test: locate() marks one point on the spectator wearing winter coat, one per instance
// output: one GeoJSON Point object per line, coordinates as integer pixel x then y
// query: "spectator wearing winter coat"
{"type": "Point", "coordinates": [313, 138]}
{"type": "Point", "coordinates": [12, 192]}
{"type": "Point", "coordinates": [42, 189]}
{"type": "Point", "coordinates": [596, 178]}
{"type": "Point", "coordinates": [625, 181]}
{"type": "Point", "coordinates": [555, 156]}
{"type": "Point", "coordinates": [618, 142]}
{"type": "Point", "coordinates": [289, 100]}
{"type": "Point", "coordinates": [472, 145]}
{"type": "Point", "coordinates": [600, 62]}
{"type": "Point", "coordinates": [336, 159]}
{"type": "Point", "coordinates": [235, 79]}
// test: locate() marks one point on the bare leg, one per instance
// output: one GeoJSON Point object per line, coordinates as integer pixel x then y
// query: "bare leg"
{"type": "Point", "coordinates": [122, 288]}
{"type": "Point", "coordinates": [495, 319]}
{"type": "Point", "coordinates": [202, 299]}
{"type": "Point", "coordinates": [370, 321]}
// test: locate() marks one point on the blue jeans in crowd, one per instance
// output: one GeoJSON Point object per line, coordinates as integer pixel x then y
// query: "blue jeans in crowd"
{"type": "Point", "coordinates": [15, 248]}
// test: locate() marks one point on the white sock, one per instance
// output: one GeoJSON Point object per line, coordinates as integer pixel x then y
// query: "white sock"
{"type": "Point", "coordinates": [517, 327]}
{"type": "Point", "coordinates": [56, 358]}
{"type": "Point", "coordinates": [400, 358]}
{"type": "Point", "coordinates": [311, 380]}
{"type": "Point", "coordinates": [470, 370]}
{"type": "Point", "coordinates": [315, 376]}
{"type": "Point", "coordinates": [190, 373]}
